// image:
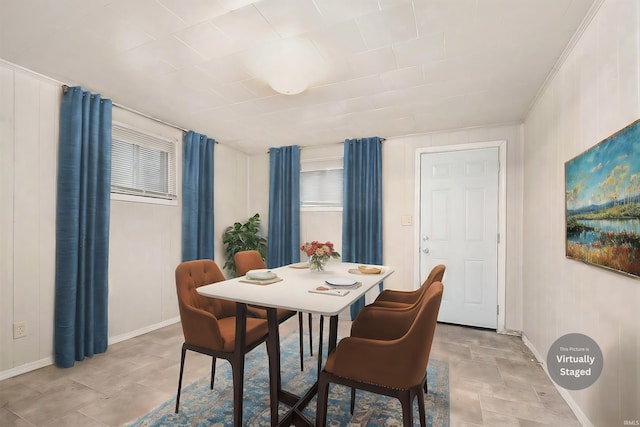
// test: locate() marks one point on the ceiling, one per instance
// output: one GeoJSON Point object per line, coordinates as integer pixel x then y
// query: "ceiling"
{"type": "Point", "coordinates": [378, 67]}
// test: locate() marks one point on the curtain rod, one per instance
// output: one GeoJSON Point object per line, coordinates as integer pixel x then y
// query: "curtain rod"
{"type": "Point", "coordinates": [131, 110]}
{"type": "Point", "coordinates": [360, 139]}
{"type": "Point", "coordinates": [336, 143]}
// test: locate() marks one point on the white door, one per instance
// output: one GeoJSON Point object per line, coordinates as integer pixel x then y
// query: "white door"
{"type": "Point", "coordinates": [459, 228]}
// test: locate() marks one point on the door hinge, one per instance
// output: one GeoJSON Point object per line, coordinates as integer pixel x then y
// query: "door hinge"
{"type": "Point", "coordinates": [498, 238]}
{"type": "Point", "coordinates": [498, 309]}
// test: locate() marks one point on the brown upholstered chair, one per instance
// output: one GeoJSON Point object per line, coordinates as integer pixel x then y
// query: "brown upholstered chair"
{"type": "Point", "coordinates": [393, 363]}
{"type": "Point", "coordinates": [252, 260]}
{"type": "Point", "coordinates": [395, 298]}
{"type": "Point", "coordinates": [402, 301]}
{"type": "Point", "coordinates": [209, 326]}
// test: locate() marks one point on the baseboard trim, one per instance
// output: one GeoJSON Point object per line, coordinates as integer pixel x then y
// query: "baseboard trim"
{"type": "Point", "coordinates": [27, 367]}
{"type": "Point", "coordinates": [142, 331]}
{"type": "Point", "coordinates": [32, 366]}
{"type": "Point", "coordinates": [577, 411]}
{"type": "Point", "coordinates": [511, 332]}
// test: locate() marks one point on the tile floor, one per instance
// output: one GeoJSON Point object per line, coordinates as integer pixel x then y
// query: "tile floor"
{"type": "Point", "coordinates": [493, 382]}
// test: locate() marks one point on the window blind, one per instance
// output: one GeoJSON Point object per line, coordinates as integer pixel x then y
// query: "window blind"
{"type": "Point", "coordinates": [142, 164]}
{"type": "Point", "coordinates": [321, 183]}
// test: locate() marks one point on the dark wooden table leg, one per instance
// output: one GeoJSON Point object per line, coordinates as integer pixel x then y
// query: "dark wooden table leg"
{"type": "Point", "coordinates": [297, 403]}
{"type": "Point", "coordinates": [333, 333]}
{"type": "Point", "coordinates": [320, 339]}
{"type": "Point", "coordinates": [310, 335]}
{"type": "Point", "coordinates": [301, 338]}
{"type": "Point", "coordinates": [273, 349]}
{"type": "Point", "coordinates": [237, 362]}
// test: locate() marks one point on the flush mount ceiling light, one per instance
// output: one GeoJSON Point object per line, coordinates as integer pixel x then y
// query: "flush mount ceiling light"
{"type": "Point", "coordinates": [289, 66]}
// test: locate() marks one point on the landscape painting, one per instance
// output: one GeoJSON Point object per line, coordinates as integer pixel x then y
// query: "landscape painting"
{"type": "Point", "coordinates": [603, 203]}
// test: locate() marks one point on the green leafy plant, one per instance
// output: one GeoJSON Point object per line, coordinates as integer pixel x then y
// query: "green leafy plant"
{"type": "Point", "coordinates": [243, 237]}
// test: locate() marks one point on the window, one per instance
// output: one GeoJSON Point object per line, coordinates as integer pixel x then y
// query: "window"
{"type": "Point", "coordinates": [142, 164]}
{"type": "Point", "coordinates": [321, 184]}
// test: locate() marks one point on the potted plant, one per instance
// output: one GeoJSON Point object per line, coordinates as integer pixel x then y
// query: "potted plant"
{"type": "Point", "coordinates": [243, 237]}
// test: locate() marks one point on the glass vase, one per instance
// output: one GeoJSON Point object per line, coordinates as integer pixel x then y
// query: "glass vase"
{"type": "Point", "coordinates": [317, 263]}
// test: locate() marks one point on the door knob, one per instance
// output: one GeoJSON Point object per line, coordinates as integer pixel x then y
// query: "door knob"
{"type": "Point", "coordinates": [426, 250]}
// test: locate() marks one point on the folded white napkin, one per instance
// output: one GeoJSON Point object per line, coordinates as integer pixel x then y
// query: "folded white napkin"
{"type": "Point", "coordinates": [261, 274]}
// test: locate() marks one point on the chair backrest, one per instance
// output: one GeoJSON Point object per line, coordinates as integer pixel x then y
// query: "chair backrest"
{"type": "Point", "coordinates": [415, 345]}
{"type": "Point", "coordinates": [435, 275]}
{"type": "Point", "coordinates": [412, 346]}
{"type": "Point", "coordinates": [402, 339]}
{"type": "Point", "coordinates": [248, 260]}
{"type": "Point", "coordinates": [199, 314]}
{"type": "Point", "coordinates": [405, 312]}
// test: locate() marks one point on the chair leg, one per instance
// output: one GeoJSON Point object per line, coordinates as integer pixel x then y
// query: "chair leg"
{"type": "Point", "coordinates": [274, 379]}
{"type": "Point", "coordinates": [310, 336]}
{"type": "Point", "coordinates": [407, 408]}
{"type": "Point", "coordinates": [353, 400]}
{"type": "Point", "coordinates": [184, 352]}
{"type": "Point", "coordinates": [423, 421]}
{"type": "Point", "coordinates": [213, 370]}
{"type": "Point", "coordinates": [301, 333]}
{"type": "Point", "coordinates": [237, 369]}
{"type": "Point", "coordinates": [321, 405]}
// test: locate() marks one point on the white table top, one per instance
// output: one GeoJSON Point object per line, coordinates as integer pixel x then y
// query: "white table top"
{"type": "Point", "coordinates": [293, 291]}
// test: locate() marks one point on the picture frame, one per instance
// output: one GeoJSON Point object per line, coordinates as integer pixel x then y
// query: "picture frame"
{"type": "Point", "coordinates": [602, 204]}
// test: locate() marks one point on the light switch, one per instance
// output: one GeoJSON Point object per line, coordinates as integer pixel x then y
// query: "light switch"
{"type": "Point", "coordinates": [406, 220]}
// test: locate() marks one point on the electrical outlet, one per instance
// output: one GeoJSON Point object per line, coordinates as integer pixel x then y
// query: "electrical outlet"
{"type": "Point", "coordinates": [19, 330]}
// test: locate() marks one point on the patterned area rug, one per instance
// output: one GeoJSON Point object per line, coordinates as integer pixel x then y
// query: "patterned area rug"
{"type": "Point", "coordinates": [201, 406]}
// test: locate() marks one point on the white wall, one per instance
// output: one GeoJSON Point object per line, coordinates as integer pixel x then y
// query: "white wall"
{"type": "Point", "coordinates": [144, 248]}
{"type": "Point", "coordinates": [398, 170]}
{"type": "Point", "coordinates": [29, 108]}
{"type": "Point", "coordinates": [231, 197]}
{"type": "Point", "coordinates": [145, 243]}
{"type": "Point", "coordinates": [258, 189]}
{"type": "Point", "coordinates": [595, 92]}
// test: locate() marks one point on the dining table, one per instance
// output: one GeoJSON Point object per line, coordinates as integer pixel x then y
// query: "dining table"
{"type": "Point", "coordinates": [296, 287]}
